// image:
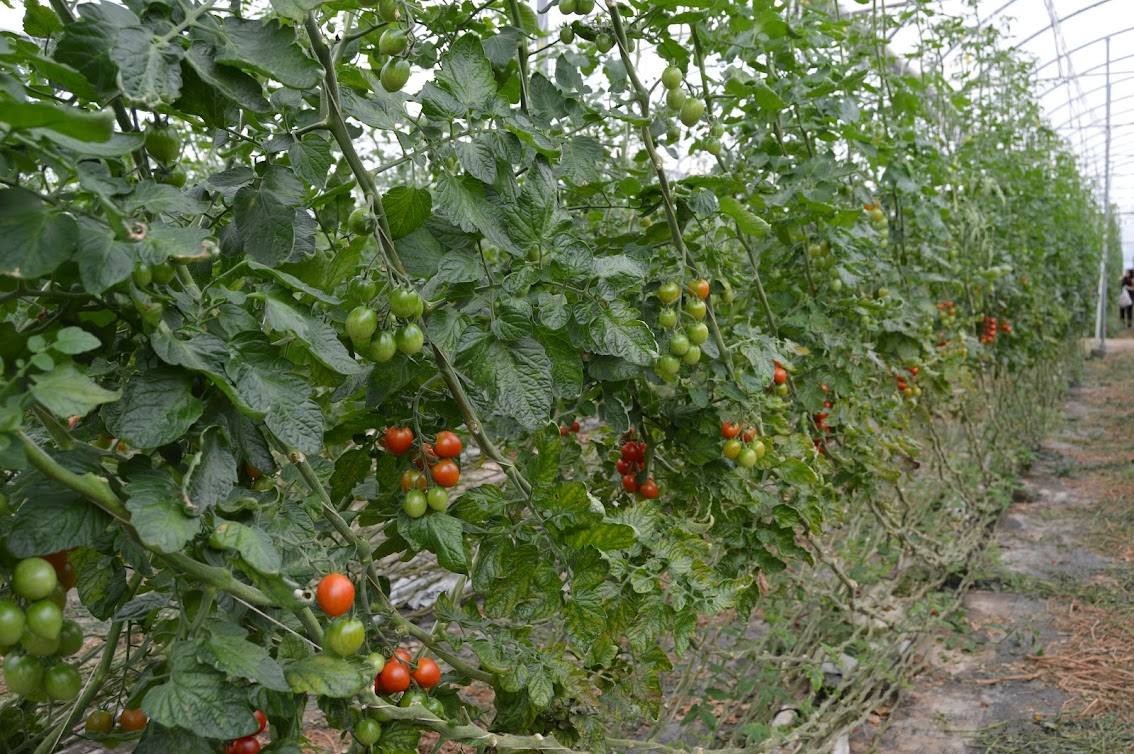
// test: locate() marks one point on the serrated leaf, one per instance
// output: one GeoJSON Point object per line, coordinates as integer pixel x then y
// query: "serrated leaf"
{"type": "Point", "coordinates": [407, 209]}
{"type": "Point", "coordinates": [254, 545]}
{"type": "Point", "coordinates": [311, 159]}
{"type": "Point", "coordinates": [157, 407]}
{"type": "Point", "coordinates": [439, 533]}
{"type": "Point", "coordinates": [149, 66]}
{"type": "Point", "coordinates": [319, 337]}
{"type": "Point", "coordinates": [76, 123]}
{"type": "Point", "coordinates": [157, 513]}
{"type": "Point", "coordinates": [463, 201]}
{"type": "Point", "coordinates": [142, 606]}
{"type": "Point", "coordinates": [270, 49]}
{"type": "Point", "coordinates": [283, 398]}
{"type": "Point", "coordinates": [351, 468]}
{"type": "Point", "coordinates": [324, 675]}
{"type": "Point", "coordinates": [227, 650]}
{"type": "Point", "coordinates": [604, 536]}
{"type": "Point", "coordinates": [36, 239]}
{"type": "Point", "coordinates": [233, 83]}
{"type": "Point", "coordinates": [100, 581]}
{"type": "Point", "coordinates": [55, 522]}
{"type": "Point", "coordinates": [199, 699]}
{"type": "Point", "coordinates": [478, 159]}
{"type": "Point", "coordinates": [67, 392]}
{"type": "Point", "coordinates": [515, 376]}
{"type": "Point", "coordinates": [614, 330]}
{"type": "Point", "coordinates": [272, 225]}
{"type": "Point", "coordinates": [210, 474]}
{"type": "Point", "coordinates": [466, 73]}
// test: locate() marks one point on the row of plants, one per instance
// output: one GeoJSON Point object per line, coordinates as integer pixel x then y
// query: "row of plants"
{"type": "Point", "coordinates": [675, 280]}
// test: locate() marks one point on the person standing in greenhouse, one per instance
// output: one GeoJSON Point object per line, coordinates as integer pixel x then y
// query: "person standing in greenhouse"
{"type": "Point", "coordinates": [1126, 298]}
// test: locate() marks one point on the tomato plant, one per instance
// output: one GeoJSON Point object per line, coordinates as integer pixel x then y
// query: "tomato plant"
{"type": "Point", "coordinates": [253, 253]}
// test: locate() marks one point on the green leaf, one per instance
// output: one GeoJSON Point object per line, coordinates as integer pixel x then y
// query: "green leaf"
{"type": "Point", "coordinates": [439, 533]}
{"type": "Point", "coordinates": [67, 392]}
{"type": "Point", "coordinates": [311, 159]}
{"type": "Point", "coordinates": [100, 581]}
{"type": "Point", "coordinates": [466, 73]}
{"type": "Point", "coordinates": [515, 376]}
{"type": "Point", "coordinates": [199, 699]}
{"type": "Point", "coordinates": [583, 160]}
{"type": "Point", "coordinates": [51, 523]}
{"type": "Point", "coordinates": [614, 330]}
{"type": "Point", "coordinates": [73, 340]}
{"type": "Point", "coordinates": [796, 472]}
{"type": "Point", "coordinates": [211, 472]}
{"type": "Point", "coordinates": [291, 281]}
{"type": "Point", "coordinates": [478, 159]}
{"type": "Point", "coordinates": [281, 397]}
{"type": "Point", "coordinates": [541, 689]}
{"type": "Point", "coordinates": [352, 467]}
{"type": "Point", "coordinates": [36, 239]}
{"type": "Point", "coordinates": [79, 124]}
{"type": "Point", "coordinates": [149, 67]}
{"type": "Point", "coordinates": [319, 337]}
{"type": "Point", "coordinates": [157, 408]}
{"type": "Point", "coordinates": [158, 513]}
{"type": "Point", "coordinates": [274, 227]}
{"type": "Point", "coordinates": [324, 675]}
{"type": "Point", "coordinates": [202, 353]}
{"type": "Point", "coordinates": [766, 99]}
{"type": "Point", "coordinates": [296, 10]}
{"type": "Point", "coordinates": [254, 545]}
{"type": "Point", "coordinates": [407, 209]}
{"type": "Point", "coordinates": [270, 49]}
{"type": "Point", "coordinates": [118, 145]}
{"type": "Point", "coordinates": [159, 740]}
{"type": "Point", "coordinates": [745, 220]}
{"type": "Point", "coordinates": [463, 201]}
{"type": "Point", "coordinates": [40, 21]}
{"type": "Point", "coordinates": [227, 650]}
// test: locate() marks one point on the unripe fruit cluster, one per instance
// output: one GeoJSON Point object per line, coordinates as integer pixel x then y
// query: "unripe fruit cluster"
{"type": "Point", "coordinates": [741, 444]}
{"type": "Point", "coordinates": [381, 345]}
{"type": "Point", "coordinates": [684, 345]}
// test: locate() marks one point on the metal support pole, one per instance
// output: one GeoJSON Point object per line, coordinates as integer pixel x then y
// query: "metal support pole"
{"type": "Point", "coordinates": [1100, 315]}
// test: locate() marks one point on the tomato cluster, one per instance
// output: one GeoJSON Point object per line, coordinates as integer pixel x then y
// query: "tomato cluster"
{"type": "Point", "coordinates": [32, 620]}
{"type": "Point", "coordinates": [741, 444]}
{"type": "Point", "coordinates": [361, 325]}
{"type": "Point", "coordinates": [684, 343]}
{"type": "Point", "coordinates": [439, 456]}
{"type": "Point", "coordinates": [568, 429]}
{"type": "Point", "coordinates": [100, 722]}
{"type": "Point", "coordinates": [630, 464]}
{"type": "Point", "coordinates": [990, 326]}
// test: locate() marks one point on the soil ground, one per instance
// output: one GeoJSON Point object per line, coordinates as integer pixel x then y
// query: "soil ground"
{"type": "Point", "coordinates": [1041, 659]}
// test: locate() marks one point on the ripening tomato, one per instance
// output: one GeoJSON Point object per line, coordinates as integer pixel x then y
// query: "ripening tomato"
{"type": "Point", "coordinates": [394, 677]}
{"type": "Point", "coordinates": [335, 594]}
{"type": "Point", "coordinates": [427, 674]}
{"type": "Point", "coordinates": [623, 466]}
{"type": "Point", "coordinates": [412, 478]}
{"type": "Point", "coordinates": [914, 371]}
{"type": "Point", "coordinates": [446, 473]}
{"type": "Point", "coordinates": [447, 445]}
{"type": "Point", "coordinates": [246, 745]}
{"type": "Point", "coordinates": [729, 430]}
{"type": "Point", "coordinates": [403, 655]}
{"type": "Point", "coordinates": [99, 722]}
{"type": "Point", "coordinates": [261, 720]}
{"type": "Point", "coordinates": [700, 288]}
{"type": "Point", "coordinates": [732, 449]}
{"type": "Point", "coordinates": [649, 489]}
{"type": "Point", "coordinates": [132, 719]}
{"type": "Point", "coordinates": [397, 440]}
{"type": "Point", "coordinates": [575, 426]}
{"type": "Point", "coordinates": [630, 483]}
{"type": "Point", "coordinates": [345, 637]}
{"type": "Point", "coordinates": [779, 376]}
{"type": "Point", "coordinates": [564, 430]}
{"type": "Point", "coordinates": [749, 434]}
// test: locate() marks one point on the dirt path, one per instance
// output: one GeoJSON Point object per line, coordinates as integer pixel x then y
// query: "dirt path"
{"type": "Point", "coordinates": [1041, 657]}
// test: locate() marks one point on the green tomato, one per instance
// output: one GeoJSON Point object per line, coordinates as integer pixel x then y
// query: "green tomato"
{"type": "Point", "coordinates": [367, 731]}
{"type": "Point", "coordinates": [23, 675]}
{"type": "Point", "coordinates": [142, 275]}
{"type": "Point", "coordinates": [759, 448]}
{"type": "Point", "coordinates": [716, 131]}
{"type": "Point", "coordinates": [669, 292]}
{"type": "Point", "coordinates": [692, 356]}
{"type": "Point", "coordinates": [361, 222]}
{"type": "Point", "coordinates": [62, 682]}
{"type": "Point", "coordinates": [747, 458]}
{"type": "Point", "coordinates": [45, 619]}
{"type": "Point", "coordinates": [70, 638]}
{"type": "Point", "coordinates": [696, 308]}
{"type": "Point", "coordinates": [34, 579]}
{"type": "Point", "coordinates": [567, 7]}
{"type": "Point", "coordinates": [415, 504]}
{"type": "Point", "coordinates": [410, 339]}
{"type": "Point", "coordinates": [436, 706]}
{"type": "Point", "coordinates": [383, 347]}
{"type": "Point", "coordinates": [395, 74]}
{"type": "Point", "coordinates": [672, 77]}
{"type": "Point", "coordinates": [375, 661]}
{"type": "Point", "coordinates": [675, 98]}
{"type": "Point", "coordinates": [667, 318]}
{"type": "Point", "coordinates": [150, 311]}
{"type": "Point", "coordinates": [36, 645]}
{"type": "Point", "coordinates": [583, 7]}
{"type": "Point", "coordinates": [782, 390]}
{"type": "Point", "coordinates": [437, 498]}
{"type": "Point", "coordinates": [604, 42]}
{"type": "Point", "coordinates": [12, 623]}
{"type": "Point", "coordinates": [163, 143]}
{"type": "Point", "coordinates": [362, 289]}
{"type": "Point", "coordinates": [361, 324]}
{"type": "Point", "coordinates": [392, 42]}
{"type": "Point", "coordinates": [713, 147]}
{"type": "Point", "coordinates": [345, 636]}
{"type": "Point", "coordinates": [678, 344]}
{"type": "Point", "coordinates": [692, 111]}
{"type": "Point", "coordinates": [566, 35]}
{"type": "Point", "coordinates": [412, 697]}
{"type": "Point", "coordinates": [406, 303]}
{"type": "Point", "coordinates": [698, 333]}
{"type": "Point", "coordinates": [175, 177]}
{"type": "Point", "coordinates": [389, 10]}
{"type": "Point", "coordinates": [732, 449]}
{"type": "Point", "coordinates": [667, 367]}
{"type": "Point", "coordinates": [164, 272]}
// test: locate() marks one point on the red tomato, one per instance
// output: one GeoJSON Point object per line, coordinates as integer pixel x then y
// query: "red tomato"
{"type": "Point", "coordinates": [446, 473]}
{"type": "Point", "coordinates": [563, 430]}
{"type": "Point", "coordinates": [627, 450]}
{"type": "Point", "coordinates": [827, 404]}
{"type": "Point", "coordinates": [575, 427]}
{"type": "Point", "coordinates": [427, 674]}
{"type": "Point", "coordinates": [394, 677]}
{"type": "Point", "coordinates": [246, 745]}
{"type": "Point", "coordinates": [630, 483]}
{"type": "Point", "coordinates": [403, 654]}
{"type": "Point", "coordinates": [749, 434]}
{"type": "Point", "coordinates": [729, 430]}
{"type": "Point", "coordinates": [779, 376]}
{"type": "Point", "coordinates": [132, 719]}
{"type": "Point", "coordinates": [700, 289]}
{"type": "Point", "coordinates": [913, 371]}
{"type": "Point", "coordinates": [335, 594]}
{"type": "Point", "coordinates": [649, 489]}
{"type": "Point", "coordinates": [397, 440]}
{"type": "Point", "coordinates": [624, 467]}
{"type": "Point", "coordinates": [447, 445]}
{"type": "Point", "coordinates": [261, 719]}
